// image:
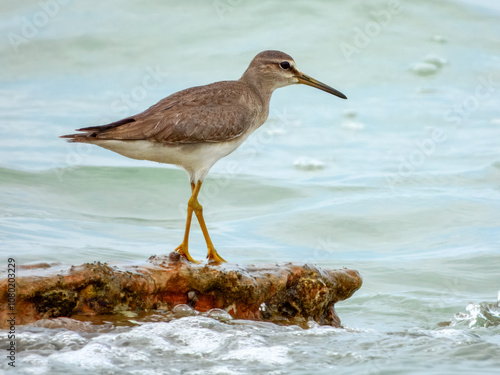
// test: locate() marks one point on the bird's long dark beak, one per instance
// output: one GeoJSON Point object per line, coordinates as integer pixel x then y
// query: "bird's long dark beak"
{"type": "Point", "coordinates": [309, 81]}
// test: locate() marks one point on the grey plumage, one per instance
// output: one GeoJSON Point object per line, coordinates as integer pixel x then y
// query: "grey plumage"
{"type": "Point", "coordinates": [216, 112]}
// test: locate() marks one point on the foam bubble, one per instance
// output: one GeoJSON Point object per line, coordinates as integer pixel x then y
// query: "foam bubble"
{"type": "Point", "coordinates": [424, 68]}
{"type": "Point", "coordinates": [308, 164]}
{"type": "Point", "coordinates": [353, 125]}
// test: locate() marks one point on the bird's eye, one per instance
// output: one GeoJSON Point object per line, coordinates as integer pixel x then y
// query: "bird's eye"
{"type": "Point", "coordinates": [285, 65]}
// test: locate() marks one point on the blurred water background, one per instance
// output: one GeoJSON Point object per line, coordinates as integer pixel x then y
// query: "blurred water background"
{"type": "Point", "coordinates": [401, 182]}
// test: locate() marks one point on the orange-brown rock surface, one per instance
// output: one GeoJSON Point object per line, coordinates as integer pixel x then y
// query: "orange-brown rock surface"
{"type": "Point", "coordinates": [283, 293]}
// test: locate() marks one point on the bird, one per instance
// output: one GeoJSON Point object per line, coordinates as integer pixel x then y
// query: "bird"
{"type": "Point", "coordinates": [196, 127]}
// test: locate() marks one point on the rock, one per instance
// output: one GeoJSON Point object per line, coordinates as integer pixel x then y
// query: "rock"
{"type": "Point", "coordinates": [283, 293]}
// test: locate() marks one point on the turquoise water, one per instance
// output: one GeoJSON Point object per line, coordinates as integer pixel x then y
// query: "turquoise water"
{"type": "Point", "coordinates": [401, 181]}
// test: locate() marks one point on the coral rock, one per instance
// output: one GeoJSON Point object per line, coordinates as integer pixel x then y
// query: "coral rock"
{"type": "Point", "coordinates": [283, 293]}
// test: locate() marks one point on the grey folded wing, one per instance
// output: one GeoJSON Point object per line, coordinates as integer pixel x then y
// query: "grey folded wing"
{"type": "Point", "coordinates": [195, 115]}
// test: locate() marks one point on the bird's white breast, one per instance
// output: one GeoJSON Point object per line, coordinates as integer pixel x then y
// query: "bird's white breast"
{"type": "Point", "coordinates": [196, 159]}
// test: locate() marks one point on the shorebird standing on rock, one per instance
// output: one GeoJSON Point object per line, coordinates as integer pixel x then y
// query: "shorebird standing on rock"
{"type": "Point", "coordinates": [196, 127]}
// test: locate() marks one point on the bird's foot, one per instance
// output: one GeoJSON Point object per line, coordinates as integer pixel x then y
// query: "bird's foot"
{"type": "Point", "coordinates": [214, 257]}
{"type": "Point", "coordinates": [183, 250]}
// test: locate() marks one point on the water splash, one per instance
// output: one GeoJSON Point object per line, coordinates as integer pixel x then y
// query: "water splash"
{"type": "Point", "coordinates": [484, 315]}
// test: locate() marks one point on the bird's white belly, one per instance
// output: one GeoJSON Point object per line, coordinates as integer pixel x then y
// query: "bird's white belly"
{"type": "Point", "coordinates": [196, 159]}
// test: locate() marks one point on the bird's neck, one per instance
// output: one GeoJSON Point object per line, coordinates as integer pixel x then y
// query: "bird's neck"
{"type": "Point", "coordinates": [262, 88]}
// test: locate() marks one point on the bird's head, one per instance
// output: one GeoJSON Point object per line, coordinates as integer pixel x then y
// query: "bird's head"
{"type": "Point", "coordinates": [275, 69]}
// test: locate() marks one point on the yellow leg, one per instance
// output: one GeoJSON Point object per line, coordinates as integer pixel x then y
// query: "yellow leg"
{"type": "Point", "coordinates": [212, 255]}
{"type": "Point", "coordinates": [183, 247]}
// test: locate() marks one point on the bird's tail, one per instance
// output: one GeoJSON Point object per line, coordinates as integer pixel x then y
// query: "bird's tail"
{"type": "Point", "coordinates": [80, 137]}
{"type": "Point", "coordinates": [91, 133]}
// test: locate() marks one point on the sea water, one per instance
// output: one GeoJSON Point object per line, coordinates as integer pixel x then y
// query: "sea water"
{"type": "Point", "coordinates": [401, 181]}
